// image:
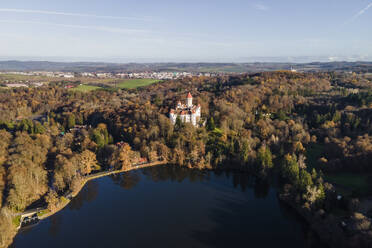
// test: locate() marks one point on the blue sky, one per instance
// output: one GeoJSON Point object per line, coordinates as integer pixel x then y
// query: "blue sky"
{"type": "Point", "coordinates": [203, 30]}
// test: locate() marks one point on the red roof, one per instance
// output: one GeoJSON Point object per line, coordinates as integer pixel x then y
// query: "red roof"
{"type": "Point", "coordinates": [189, 95]}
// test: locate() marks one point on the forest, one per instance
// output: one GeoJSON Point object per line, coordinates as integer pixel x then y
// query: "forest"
{"type": "Point", "coordinates": [313, 131]}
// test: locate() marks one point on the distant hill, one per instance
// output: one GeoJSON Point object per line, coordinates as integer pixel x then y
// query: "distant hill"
{"type": "Point", "coordinates": [14, 65]}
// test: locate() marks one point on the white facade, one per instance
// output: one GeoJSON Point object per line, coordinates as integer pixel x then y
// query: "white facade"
{"type": "Point", "coordinates": [189, 101]}
{"type": "Point", "coordinates": [188, 113]}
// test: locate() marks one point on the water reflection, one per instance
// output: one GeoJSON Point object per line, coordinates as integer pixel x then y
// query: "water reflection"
{"type": "Point", "coordinates": [174, 173]}
{"type": "Point", "coordinates": [173, 206]}
{"type": "Point", "coordinates": [55, 224]}
{"type": "Point", "coordinates": [88, 194]}
{"type": "Point", "coordinates": [126, 180]}
{"type": "Point", "coordinates": [261, 188]}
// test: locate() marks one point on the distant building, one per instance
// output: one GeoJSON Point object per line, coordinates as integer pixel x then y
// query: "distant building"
{"type": "Point", "coordinates": [37, 84]}
{"type": "Point", "coordinates": [68, 75]}
{"type": "Point", "coordinates": [16, 85]}
{"type": "Point", "coordinates": [188, 113]}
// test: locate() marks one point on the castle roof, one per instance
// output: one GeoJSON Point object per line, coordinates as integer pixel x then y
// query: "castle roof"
{"type": "Point", "coordinates": [189, 95]}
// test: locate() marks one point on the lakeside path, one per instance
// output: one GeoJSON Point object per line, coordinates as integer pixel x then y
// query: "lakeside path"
{"type": "Point", "coordinates": [69, 196]}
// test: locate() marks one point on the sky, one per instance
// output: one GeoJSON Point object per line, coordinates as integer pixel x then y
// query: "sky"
{"type": "Point", "coordinates": [187, 30]}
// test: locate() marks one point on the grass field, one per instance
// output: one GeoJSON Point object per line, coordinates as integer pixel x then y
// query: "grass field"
{"type": "Point", "coordinates": [16, 77]}
{"type": "Point", "coordinates": [17, 221]}
{"type": "Point", "coordinates": [124, 84]}
{"type": "Point", "coordinates": [351, 183]}
{"type": "Point", "coordinates": [313, 153]}
{"type": "Point", "coordinates": [23, 78]}
{"type": "Point", "coordinates": [109, 82]}
{"type": "Point", "coordinates": [345, 183]}
{"type": "Point", "coordinates": [135, 83]}
{"type": "Point", "coordinates": [85, 88]}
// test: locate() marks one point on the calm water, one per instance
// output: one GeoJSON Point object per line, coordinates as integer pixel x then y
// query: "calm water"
{"type": "Point", "coordinates": [172, 207]}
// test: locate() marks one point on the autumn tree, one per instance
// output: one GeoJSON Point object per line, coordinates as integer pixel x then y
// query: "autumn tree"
{"type": "Point", "coordinates": [123, 157]}
{"type": "Point", "coordinates": [86, 162]}
{"type": "Point", "coordinates": [52, 200]}
{"type": "Point", "coordinates": [27, 175]}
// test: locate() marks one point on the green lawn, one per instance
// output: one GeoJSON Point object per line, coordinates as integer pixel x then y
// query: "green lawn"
{"type": "Point", "coordinates": [135, 83]}
{"type": "Point", "coordinates": [41, 213]}
{"type": "Point", "coordinates": [350, 183]}
{"type": "Point", "coordinates": [313, 153]}
{"type": "Point", "coordinates": [345, 183]}
{"type": "Point", "coordinates": [17, 221]}
{"type": "Point", "coordinates": [85, 88]}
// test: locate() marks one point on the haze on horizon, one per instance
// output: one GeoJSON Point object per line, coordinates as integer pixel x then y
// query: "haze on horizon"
{"type": "Point", "coordinates": [204, 30]}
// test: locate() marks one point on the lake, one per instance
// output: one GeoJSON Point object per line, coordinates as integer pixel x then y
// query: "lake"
{"type": "Point", "coordinates": [169, 206]}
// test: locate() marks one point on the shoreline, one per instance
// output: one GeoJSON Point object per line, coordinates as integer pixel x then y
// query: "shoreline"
{"type": "Point", "coordinates": [327, 227]}
{"type": "Point", "coordinates": [64, 201]}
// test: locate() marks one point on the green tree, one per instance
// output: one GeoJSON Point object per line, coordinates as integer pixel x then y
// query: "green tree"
{"type": "Point", "coordinates": [38, 128]}
{"type": "Point", "coordinates": [210, 124]}
{"type": "Point", "coordinates": [264, 157]}
{"type": "Point", "coordinates": [178, 125]}
{"type": "Point", "coordinates": [290, 168]}
{"type": "Point", "coordinates": [304, 180]}
{"type": "Point", "coordinates": [70, 121]}
{"type": "Point", "coordinates": [98, 138]}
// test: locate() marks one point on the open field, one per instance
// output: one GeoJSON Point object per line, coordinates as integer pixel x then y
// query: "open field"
{"type": "Point", "coordinates": [89, 84]}
{"type": "Point", "coordinates": [123, 84]}
{"type": "Point", "coordinates": [346, 183]}
{"type": "Point", "coordinates": [135, 83]}
{"type": "Point", "coordinates": [85, 88]}
{"type": "Point", "coordinates": [313, 153]}
{"type": "Point", "coordinates": [24, 78]}
{"type": "Point", "coordinates": [351, 183]}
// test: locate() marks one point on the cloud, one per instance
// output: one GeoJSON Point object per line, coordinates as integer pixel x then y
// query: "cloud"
{"type": "Point", "coordinates": [361, 12]}
{"type": "Point", "coordinates": [97, 28]}
{"type": "Point", "coordinates": [260, 6]}
{"type": "Point", "coordinates": [45, 12]}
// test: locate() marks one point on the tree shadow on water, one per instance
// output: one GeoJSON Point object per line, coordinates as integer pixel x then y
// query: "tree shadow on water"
{"type": "Point", "coordinates": [236, 221]}
{"type": "Point", "coordinates": [88, 194]}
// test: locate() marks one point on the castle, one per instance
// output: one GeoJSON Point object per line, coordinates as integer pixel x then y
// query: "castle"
{"type": "Point", "coordinates": [187, 113]}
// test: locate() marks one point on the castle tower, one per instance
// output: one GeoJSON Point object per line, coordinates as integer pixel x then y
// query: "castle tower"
{"type": "Point", "coordinates": [189, 100]}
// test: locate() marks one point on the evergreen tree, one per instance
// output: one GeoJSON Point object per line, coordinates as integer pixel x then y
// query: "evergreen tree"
{"type": "Point", "coordinates": [70, 121]}
{"type": "Point", "coordinates": [38, 128]}
{"type": "Point", "coordinates": [304, 180]}
{"type": "Point", "coordinates": [210, 124]}
{"type": "Point", "coordinates": [178, 124]}
{"type": "Point", "coordinates": [264, 157]}
{"type": "Point", "coordinates": [290, 168]}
